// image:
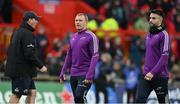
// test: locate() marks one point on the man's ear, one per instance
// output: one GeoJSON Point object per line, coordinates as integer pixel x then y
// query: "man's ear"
{"type": "Point", "coordinates": [28, 21]}
{"type": "Point", "coordinates": [161, 19]}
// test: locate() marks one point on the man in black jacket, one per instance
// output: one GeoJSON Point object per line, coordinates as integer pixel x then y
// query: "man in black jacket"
{"type": "Point", "coordinates": [22, 60]}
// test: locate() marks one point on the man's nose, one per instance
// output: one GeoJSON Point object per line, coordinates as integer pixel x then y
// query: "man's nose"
{"type": "Point", "coordinates": [150, 20]}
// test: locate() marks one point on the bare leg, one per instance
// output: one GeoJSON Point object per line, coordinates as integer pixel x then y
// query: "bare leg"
{"type": "Point", "coordinates": [30, 99]}
{"type": "Point", "coordinates": [14, 99]}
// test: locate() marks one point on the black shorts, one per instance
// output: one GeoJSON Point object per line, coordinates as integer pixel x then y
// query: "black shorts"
{"type": "Point", "coordinates": [22, 85]}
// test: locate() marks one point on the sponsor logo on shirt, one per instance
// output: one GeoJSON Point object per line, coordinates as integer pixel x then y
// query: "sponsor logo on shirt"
{"type": "Point", "coordinates": [159, 88]}
{"type": "Point", "coordinates": [147, 38]}
{"type": "Point", "coordinates": [156, 36]}
{"type": "Point", "coordinates": [82, 85]}
{"type": "Point", "coordinates": [30, 45]}
{"type": "Point", "coordinates": [82, 38]}
{"type": "Point", "coordinates": [25, 91]}
{"type": "Point", "coordinates": [16, 90]}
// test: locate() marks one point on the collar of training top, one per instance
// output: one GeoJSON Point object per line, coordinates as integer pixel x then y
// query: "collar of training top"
{"type": "Point", "coordinates": [82, 31]}
{"type": "Point", "coordinates": [156, 30]}
{"type": "Point", "coordinates": [27, 26]}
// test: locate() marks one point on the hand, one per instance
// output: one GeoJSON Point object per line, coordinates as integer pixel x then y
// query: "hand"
{"type": "Point", "coordinates": [148, 76]}
{"type": "Point", "coordinates": [43, 69]}
{"type": "Point", "coordinates": [62, 79]}
{"type": "Point", "coordinates": [43, 43]}
{"type": "Point", "coordinates": [87, 81]}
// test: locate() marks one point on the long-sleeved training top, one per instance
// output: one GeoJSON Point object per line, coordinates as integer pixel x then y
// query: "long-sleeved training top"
{"type": "Point", "coordinates": [157, 53]}
{"type": "Point", "coordinates": [82, 55]}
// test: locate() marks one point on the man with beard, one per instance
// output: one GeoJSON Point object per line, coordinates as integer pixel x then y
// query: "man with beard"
{"type": "Point", "coordinates": [155, 73]}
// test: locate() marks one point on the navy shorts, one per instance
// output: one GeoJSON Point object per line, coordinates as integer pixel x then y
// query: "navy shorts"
{"type": "Point", "coordinates": [22, 85]}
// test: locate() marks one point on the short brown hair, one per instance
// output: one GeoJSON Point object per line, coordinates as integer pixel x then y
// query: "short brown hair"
{"type": "Point", "coordinates": [83, 14]}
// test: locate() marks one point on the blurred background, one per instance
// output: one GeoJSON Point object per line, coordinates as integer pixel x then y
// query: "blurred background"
{"type": "Point", "coordinates": [120, 25]}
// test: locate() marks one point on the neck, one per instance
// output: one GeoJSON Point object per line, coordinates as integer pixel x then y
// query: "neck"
{"type": "Point", "coordinates": [81, 30]}
{"type": "Point", "coordinates": [159, 25]}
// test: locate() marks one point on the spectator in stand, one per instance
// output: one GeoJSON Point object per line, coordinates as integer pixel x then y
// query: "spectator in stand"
{"type": "Point", "coordinates": [135, 53]}
{"type": "Point", "coordinates": [141, 23]}
{"type": "Point", "coordinates": [92, 23]}
{"type": "Point", "coordinates": [175, 69]}
{"type": "Point", "coordinates": [103, 8]}
{"type": "Point", "coordinates": [42, 43]}
{"type": "Point", "coordinates": [101, 81]}
{"type": "Point", "coordinates": [177, 22]}
{"type": "Point", "coordinates": [67, 37]}
{"type": "Point", "coordinates": [110, 25]}
{"type": "Point", "coordinates": [131, 73]}
{"type": "Point", "coordinates": [117, 73]}
{"type": "Point", "coordinates": [119, 51]}
{"type": "Point", "coordinates": [54, 58]}
{"type": "Point", "coordinates": [117, 12]}
{"type": "Point", "coordinates": [106, 45]}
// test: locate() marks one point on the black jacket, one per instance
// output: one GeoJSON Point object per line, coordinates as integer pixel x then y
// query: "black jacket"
{"type": "Point", "coordinates": [22, 57]}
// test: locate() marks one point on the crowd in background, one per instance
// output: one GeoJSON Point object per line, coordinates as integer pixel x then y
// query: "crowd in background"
{"type": "Point", "coordinates": [117, 64]}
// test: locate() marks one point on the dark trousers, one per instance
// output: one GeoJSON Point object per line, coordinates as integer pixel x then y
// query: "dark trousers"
{"type": "Point", "coordinates": [101, 87]}
{"type": "Point", "coordinates": [158, 84]}
{"type": "Point", "coordinates": [79, 88]}
{"type": "Point", "coordinates": [131, 95]}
